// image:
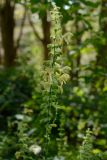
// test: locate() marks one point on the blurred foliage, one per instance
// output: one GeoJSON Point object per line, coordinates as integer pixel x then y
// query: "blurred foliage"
{"type": "Point", "coordinates": [83, 103]}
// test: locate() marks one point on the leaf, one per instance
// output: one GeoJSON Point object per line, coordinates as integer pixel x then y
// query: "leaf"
{"type": "Point", "coordinates": [90, 3]}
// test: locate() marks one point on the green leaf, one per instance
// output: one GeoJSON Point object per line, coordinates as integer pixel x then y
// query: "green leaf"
{"type": "Point", "coordinates": [90, 3]}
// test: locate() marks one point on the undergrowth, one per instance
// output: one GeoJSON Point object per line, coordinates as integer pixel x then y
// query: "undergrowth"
{"type": "Point", "coordinates": [51, 142]}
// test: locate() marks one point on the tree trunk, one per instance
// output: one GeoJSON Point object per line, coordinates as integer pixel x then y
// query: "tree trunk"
{"type": "Point", "coordinates": [0, 48]}
{"type": "Point", "coordinates": [101, 59]}
{"type": "Point", "coordinates": [102, 48]}
{"type": "Point", "coordinates": [46, 25]}
{"type": "Point", "coordinates": [7, 33]}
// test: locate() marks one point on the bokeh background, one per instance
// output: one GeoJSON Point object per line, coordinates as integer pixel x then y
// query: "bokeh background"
{"type": "Point", "coordinates": [25, 27]}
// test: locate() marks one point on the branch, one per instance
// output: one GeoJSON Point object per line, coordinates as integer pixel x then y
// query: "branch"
{"type": "Point", "coordinates": [14, 4]}
{"type": "Point", "coordinates": [33, 28]}
{"type": "Point", "coordinates": [21, 30]}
